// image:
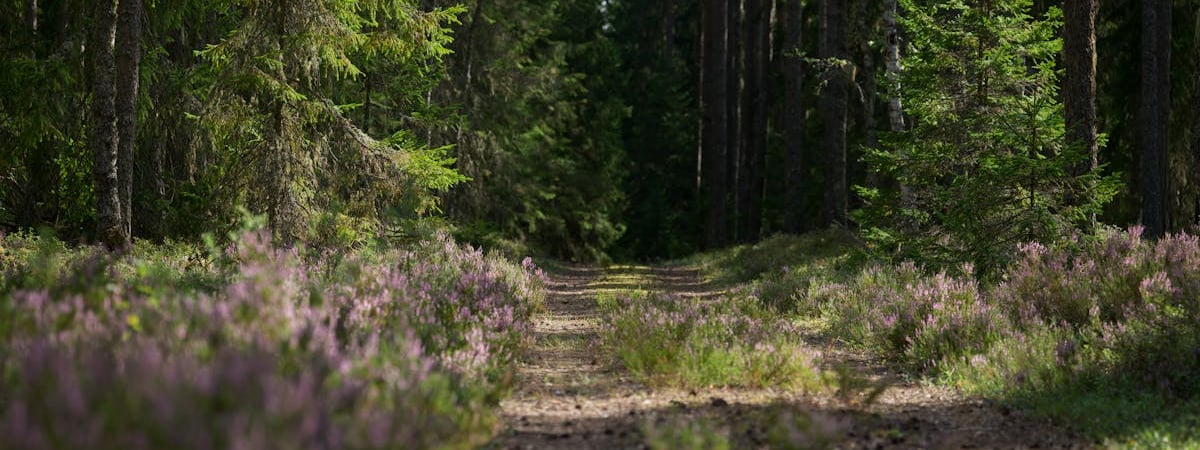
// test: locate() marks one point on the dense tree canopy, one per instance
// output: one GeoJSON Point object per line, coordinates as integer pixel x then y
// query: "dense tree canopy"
{"type": "Point", "coordinates": [589, 129]}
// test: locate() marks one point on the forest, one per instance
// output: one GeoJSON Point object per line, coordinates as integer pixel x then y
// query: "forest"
{"type": "Point", "coordinates": [663, 224]}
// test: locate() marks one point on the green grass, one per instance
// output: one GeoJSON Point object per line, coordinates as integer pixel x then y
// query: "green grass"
{"type": "Point", "coordinates": [817, 254]}
{"type": "Point", "coordinates": [1075, 375]}
{"type": "Point", "coordinates": [683, 342]}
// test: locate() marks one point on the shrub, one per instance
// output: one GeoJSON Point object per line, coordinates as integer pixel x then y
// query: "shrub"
{"type": "Point", "coordinates": [918, 319]}
{"type": "Point", "coordinates": [1115, 273]}
{"type": "Point", "coordinates": [1104, 322]}
{"type": "Point", "coordinates": [389, 348]}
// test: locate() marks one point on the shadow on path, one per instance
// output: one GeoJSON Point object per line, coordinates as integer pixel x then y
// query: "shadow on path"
{"type": "Point", "coordinates": [568, 397]}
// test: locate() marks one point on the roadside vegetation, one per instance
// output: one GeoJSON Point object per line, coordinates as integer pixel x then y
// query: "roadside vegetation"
{"type": "Point", "coordinates": [1095, 332]}
{"type": "Point", "coordinates": [246, 345]}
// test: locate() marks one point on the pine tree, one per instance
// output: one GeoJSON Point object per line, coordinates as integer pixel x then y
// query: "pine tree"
{"type": "Point", "coordinates": [1154, 114]}
{"type": "Point", "coordinates": [1079, 81]}
{"type": "Point", "coordinates": [793, 117]}
{"type": "Point", "coordinates": [128, 71]}
{"type": "Point", "coordinates": [103, 136]}
{"type": "Point", "coordinates": [833, 104]}
{"type": "Point", "coordinates": [715, 138]}
{"type": "Point", "coordinates": [754, 123]}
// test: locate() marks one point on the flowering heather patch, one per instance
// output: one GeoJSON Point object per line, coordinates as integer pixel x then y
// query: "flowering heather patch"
{"type": "Point", "coordinates": [1128, 307]}
{"type": "Point", "coordinates": [1102, 330]}
{"type": "Point", "coordinates": [668, 340]}
{"type": "Point", "coordinates": [390, 349]}
{"type": "Point", "coordinates": [1112, 278]}
{"type": "Point", "coordinates": [919, 319]}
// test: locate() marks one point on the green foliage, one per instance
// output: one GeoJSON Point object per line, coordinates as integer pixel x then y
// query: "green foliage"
{"type": "Point", "coordinates": [690, 343]}
{"type": "Point", "coordinates": [659, 136]}
{"type": "Point", "coordinates": [277, 76]}
{"type": "Point", "coordinates": [45, 170]}
{"type": "Point", "coordinates": [984, 166]}
{"type": "Point", "coordinates": [540, 132]}
{"type": "Point", "coordinates": [380, 347]}
{"type": "Point", "coordinates": [1096, 331]}
{"type": "Point", "coordinates": [814, 254]}
{"type": "Point", "coordinates": [243, 103]}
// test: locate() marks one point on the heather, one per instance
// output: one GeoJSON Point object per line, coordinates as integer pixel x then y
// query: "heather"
{"type": "Point", "coordinates": [254, 346]}
{"type": "Point", "coordinates": [1099, 331]}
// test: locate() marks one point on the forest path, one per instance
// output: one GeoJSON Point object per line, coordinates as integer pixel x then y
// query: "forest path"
{"type": "Point", "coordinates": [568, 396]}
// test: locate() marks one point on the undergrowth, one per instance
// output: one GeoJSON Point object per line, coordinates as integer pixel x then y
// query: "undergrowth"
{"type": "Point", "coordinates": [1097, 332]}
{"type": "Point", "coordinates": [678, 341]}
{"type": "Point", "coordinates": [250, 346]}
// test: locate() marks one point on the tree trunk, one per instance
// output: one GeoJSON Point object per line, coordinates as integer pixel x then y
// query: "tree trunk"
{"type": "Point", "coordinates": [869, 91]}
{"type": "Point", "coordinates": [894, 106]}
{"type": "Point", "coordinates": [128, 62]}
{"type": "Point", "coordinates": [102, 139]}
{"type": "Point", "coordinates": [715, 138]}
{"type": "Point", "coordinates": [31, 17]}
{"type": "Point", "coordinates": [668, 31]}
{"type": "Point", "coordinates": [282, 209]}
{"type": "Point", "coordinates": [892, 60]}
{"type": "Point", "coordinates": [1079, 83]}
{"type": "Point", "coordinates": [833, 111]}
{"type": "Point", "coordinates": [736, 115]}
{"type": "Point", "coordinates": [793, 105]}
{"type": "Point", "coordinates": [281, 206]}
{"type": "Point", "coordinates": [1195, 144]}
{"type": "Point", "coordinates": [754, 127]}
{"type": "Point", "coordinates": [1154, 113]}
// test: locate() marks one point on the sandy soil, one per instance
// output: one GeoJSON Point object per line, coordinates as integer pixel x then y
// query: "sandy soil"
{"type": "Point", "coordinates": [570, 397]}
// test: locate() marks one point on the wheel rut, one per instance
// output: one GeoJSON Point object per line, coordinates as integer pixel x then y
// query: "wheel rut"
{"type": "Point", "coordinates": [568, 395]}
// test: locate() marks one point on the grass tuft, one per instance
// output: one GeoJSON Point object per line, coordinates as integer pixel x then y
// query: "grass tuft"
{"type": "Point", "coordinates": [676, 341]}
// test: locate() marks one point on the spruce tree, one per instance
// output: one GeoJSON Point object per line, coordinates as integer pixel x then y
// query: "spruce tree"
{"type": "Point", "coordinates": [984, 158]}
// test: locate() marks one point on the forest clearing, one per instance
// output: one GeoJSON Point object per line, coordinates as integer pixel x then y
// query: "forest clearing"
{"type": "Point", "coordinates": [595, 224]}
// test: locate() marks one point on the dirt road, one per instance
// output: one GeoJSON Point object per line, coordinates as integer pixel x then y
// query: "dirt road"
{"type": "Point", "coordinates": [570, 397]}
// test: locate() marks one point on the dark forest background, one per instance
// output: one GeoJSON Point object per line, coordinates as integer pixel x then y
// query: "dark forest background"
{"type": "Point", "coordinates": [575, 128]}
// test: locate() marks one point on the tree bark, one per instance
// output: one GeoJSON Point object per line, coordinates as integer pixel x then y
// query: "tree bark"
{"type": "Point", "coordinates": [736, 115]}
{"type": "Point", "coordinates": [892, 61]}
{"type": "Point", "coordinates": [31, 17]}
{"type": "Point", "coordinates": [715, 137]}
{"type": "Point", "coordinates": [1079, 90]}
{"type": "Point", "coordinates": [793, 128]}
{"type": "Point", "coordinates": [668, 30]}
{"type": "Point", "coordinates": [833, 111]}
{"type": "Point", "coordinates": [895, 107]}
{"type": "Point", "coordinates": [869, 90]}
{"type": "Point", "coordinates": [128, 63]}
{"type": "Point", "coordinates": [754, 127]}
{"type": "Point", "coordinates": [1154, 113]}
{"type": "Point", "coordinates": [735, 69]}
{"type": "Point", "coordinates": [282, 208]}
{"type": "Point", "coordinates": [102, 139]}
{"type": "Point", "coordinates": [1195, 142]}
